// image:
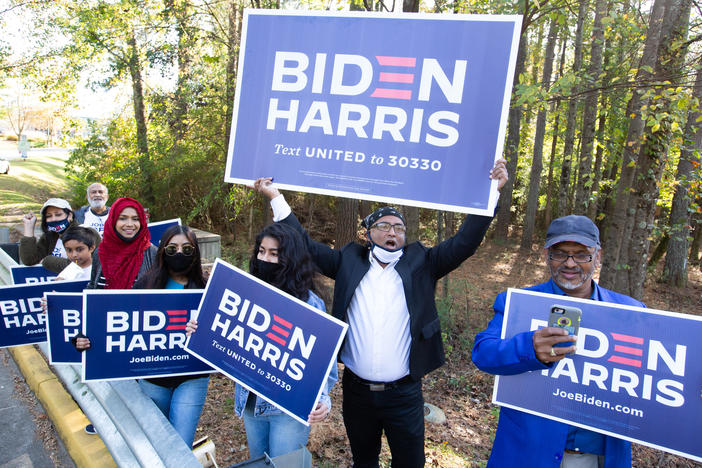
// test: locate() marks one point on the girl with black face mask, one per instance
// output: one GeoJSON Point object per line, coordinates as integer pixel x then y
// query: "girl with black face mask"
{"type": "Point", "coordinates": [281, 259]}
{"type": "Point", "coordinates": [177, 266]}
{"type": "Point", "coordinates": [56, 217]}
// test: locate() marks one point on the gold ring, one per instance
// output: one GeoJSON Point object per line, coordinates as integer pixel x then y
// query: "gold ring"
{"type": "Point", "coordinates": [553, 353]}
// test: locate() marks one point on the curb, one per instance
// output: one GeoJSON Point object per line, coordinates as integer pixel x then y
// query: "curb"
{"type": "Point", "coordinates": [86, 450]}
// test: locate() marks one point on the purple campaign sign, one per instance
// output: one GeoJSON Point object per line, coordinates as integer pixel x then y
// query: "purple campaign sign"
{"type": "Point", "coordinates": [636, 374]}
{"type": "Point", "coordinates": [31, 274]}
{"type": "Point", "coordinates": [138, 333]}
{"type": "Point", "coordinates": [408, 120]}
{"type": "Point", "coordinates": [272, 343]}
{"type": "Point", "coordinates": [159, 227]}
{"type": "Point", "coordinates": [63, 314]}
{"type": "Point", "coordinates": [21, 318]}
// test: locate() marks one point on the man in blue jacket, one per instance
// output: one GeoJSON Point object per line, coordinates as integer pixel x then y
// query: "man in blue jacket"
{"type": "Point", "coordinates": [573, 254]}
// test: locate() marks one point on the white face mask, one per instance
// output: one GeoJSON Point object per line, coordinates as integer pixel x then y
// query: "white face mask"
{"type": "Point", "coordinates": [386, 256]}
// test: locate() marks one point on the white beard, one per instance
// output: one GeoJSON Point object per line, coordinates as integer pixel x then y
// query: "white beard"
{"type": "Point", "coordinates": [570, 285]}
{"type": "Point", "coordinates": [97, 204]}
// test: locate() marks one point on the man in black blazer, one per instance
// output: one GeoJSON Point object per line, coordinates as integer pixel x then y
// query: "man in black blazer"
{"type": "Point", "coordinates": [385, 292]}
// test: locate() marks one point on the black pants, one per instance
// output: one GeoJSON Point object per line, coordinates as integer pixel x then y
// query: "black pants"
{"type": "Point", "coordinates": [399, 411]}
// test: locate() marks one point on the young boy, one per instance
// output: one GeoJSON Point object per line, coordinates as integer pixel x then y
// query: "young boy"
{"type": "Point", "coordinates": [80, 243]}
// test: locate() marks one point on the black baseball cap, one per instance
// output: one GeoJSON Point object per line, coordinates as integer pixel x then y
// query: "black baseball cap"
{"type": "Point", "coordinates": [573, 228]}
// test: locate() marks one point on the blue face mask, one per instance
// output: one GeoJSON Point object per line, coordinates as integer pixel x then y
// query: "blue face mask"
{"type": "Point", "coordinates": [57, 226]}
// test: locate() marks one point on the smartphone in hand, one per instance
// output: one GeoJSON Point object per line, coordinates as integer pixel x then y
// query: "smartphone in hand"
{"type": "Point", "coordinates": [567, 318]}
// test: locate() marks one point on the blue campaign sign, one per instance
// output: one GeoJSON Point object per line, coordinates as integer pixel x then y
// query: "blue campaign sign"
{"type": "Point", "coordinates": [23, 321]}
{"type": "Point", "coordinates": [272, 343]}
{"type": "Point", "coordinates": [636, 374]}
{"type": "Point", "coordinates": [372, 118]}
{"type": "Point", "coordinates": [138, 333]}
{"type": "Point", "coordinates": [31, 274]}
{"type": "Point", "coordinates": [159, 227]}
{"type": "Point", "coordinates": [63, 322]}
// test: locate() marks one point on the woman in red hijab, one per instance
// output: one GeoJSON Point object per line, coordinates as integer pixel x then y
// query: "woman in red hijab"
{"type": "Point", "coordinates": [125, 253]}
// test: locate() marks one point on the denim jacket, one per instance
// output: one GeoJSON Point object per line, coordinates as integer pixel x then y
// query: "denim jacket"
{"type": "Point", "coordinates": [265, 408]}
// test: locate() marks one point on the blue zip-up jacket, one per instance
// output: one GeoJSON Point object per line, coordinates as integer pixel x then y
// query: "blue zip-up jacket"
{"type": "Point", "coordinates": [523, 439]}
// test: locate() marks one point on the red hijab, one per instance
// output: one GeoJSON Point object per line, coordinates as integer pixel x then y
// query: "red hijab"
{"type": "Point", "coordinates": [121, 260]}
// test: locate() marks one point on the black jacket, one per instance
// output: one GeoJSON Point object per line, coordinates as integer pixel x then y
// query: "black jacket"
{"type": "Point", "coordinates": [420, 267]}
{"type": "Point", "coordinates": [33, 250]}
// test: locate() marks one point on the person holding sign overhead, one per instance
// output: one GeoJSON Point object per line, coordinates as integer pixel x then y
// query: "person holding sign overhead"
{"type": "Point", "coordinates": [281, 259]}
{"type": "Point", "coordinates": [572, 253]}
{"type": "Point", "coordinates": [385, 291]}
{"type": "Point", "coordinates": [177, 266]}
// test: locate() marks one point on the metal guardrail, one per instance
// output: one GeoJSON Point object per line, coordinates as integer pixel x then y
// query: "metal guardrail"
{"type": "Point", "coordinates": [5, 263]}
{"type": "Point", "coordinates": [133, 429]}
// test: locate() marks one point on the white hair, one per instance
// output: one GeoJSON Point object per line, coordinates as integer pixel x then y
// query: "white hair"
{"type": "Point", "coordinates": [87, 191]}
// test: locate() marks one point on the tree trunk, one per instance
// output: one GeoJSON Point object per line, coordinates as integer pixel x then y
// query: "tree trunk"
{"type": "Point", "coordinates": [585, 176]}
{"type": "Point", "coordinates": [439, 238]}
{"type": "Point", "coordinates": [612, 275]}
{"type": "Point", "coordinates": [145, 163]}
{"type": "Point", "coordinates": [555, 111]}
{"type": "Point", "coordinates": [412, 221]}
{"type": "Point", "coordinates": [410, 6]}
{"type": "Point", "coordinates": [511, 149]}
{"type": "Point", "coordinates": [694, 258]}
{"type": "Point", "coordinates": [234, 26]}
{"type": "Point", "coordinates": [675, 270]}
{"type": "Point", "coordinates": [537, 159]}
{"type": "Point", "coordinates": [654, 151]}
{"type": "Point", "coordinates": [346, 221]}
{"type": "Point", "coordinates": [569, 138]}
{"type": "Point", "coordinates": [177, 121]}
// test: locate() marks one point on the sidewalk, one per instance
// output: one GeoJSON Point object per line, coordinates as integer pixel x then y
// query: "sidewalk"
{"type": "Point", "coordinates": [68, 420]}
{"type": "Point", "coordinates": [20, 437]}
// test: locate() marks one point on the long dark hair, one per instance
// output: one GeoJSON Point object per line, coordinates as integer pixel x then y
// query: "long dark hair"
{"type": "Point", "coordinates": [157, 276]}
{"type": "Point", "coordinates": [297, 270]}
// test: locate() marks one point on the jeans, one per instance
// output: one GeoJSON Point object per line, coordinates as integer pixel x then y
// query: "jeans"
{"type": "Point", "coordinates": [274, 434]}
{"type": "Point", "coordinates": [182, 405]}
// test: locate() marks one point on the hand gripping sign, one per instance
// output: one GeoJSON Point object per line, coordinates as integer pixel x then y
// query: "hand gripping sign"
{"type": "Point", "coordinates": [636, 374]}
{"type": "Point", "coordinates": [63, 322]}
{"type": "Point", "coordinates": [22, 320]}
{"type": "Point", "coordinates": [138, 333]}
{"type": "Point", "coordinates": [266, 340]}
{"type": "Point", "coordinates": [389, 116]}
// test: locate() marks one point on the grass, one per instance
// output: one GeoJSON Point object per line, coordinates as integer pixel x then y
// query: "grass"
{"type": "Point", "coordinates": [30, 183]}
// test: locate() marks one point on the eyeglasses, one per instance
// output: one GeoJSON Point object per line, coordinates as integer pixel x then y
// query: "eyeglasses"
{"type": "Point", "coordinates": [563, 257]}
{"type": "Point", "coordinates": [172, 249]}
{"type": "Point", "coordinates": [385, 227]}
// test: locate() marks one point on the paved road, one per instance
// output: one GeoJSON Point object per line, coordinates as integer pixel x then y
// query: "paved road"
{"type": "Point", "coordinates": [20, 440]}
{"type": "Point", "coordinates": [12, 154]}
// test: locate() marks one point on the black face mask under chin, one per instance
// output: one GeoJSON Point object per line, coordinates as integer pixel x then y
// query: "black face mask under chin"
{"type": "Point", "coordinates": [267, 271]}
{"type": "Point", "coordinates": [128, 240]}
{"type": "Point", "coordinates": [178, 263]}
